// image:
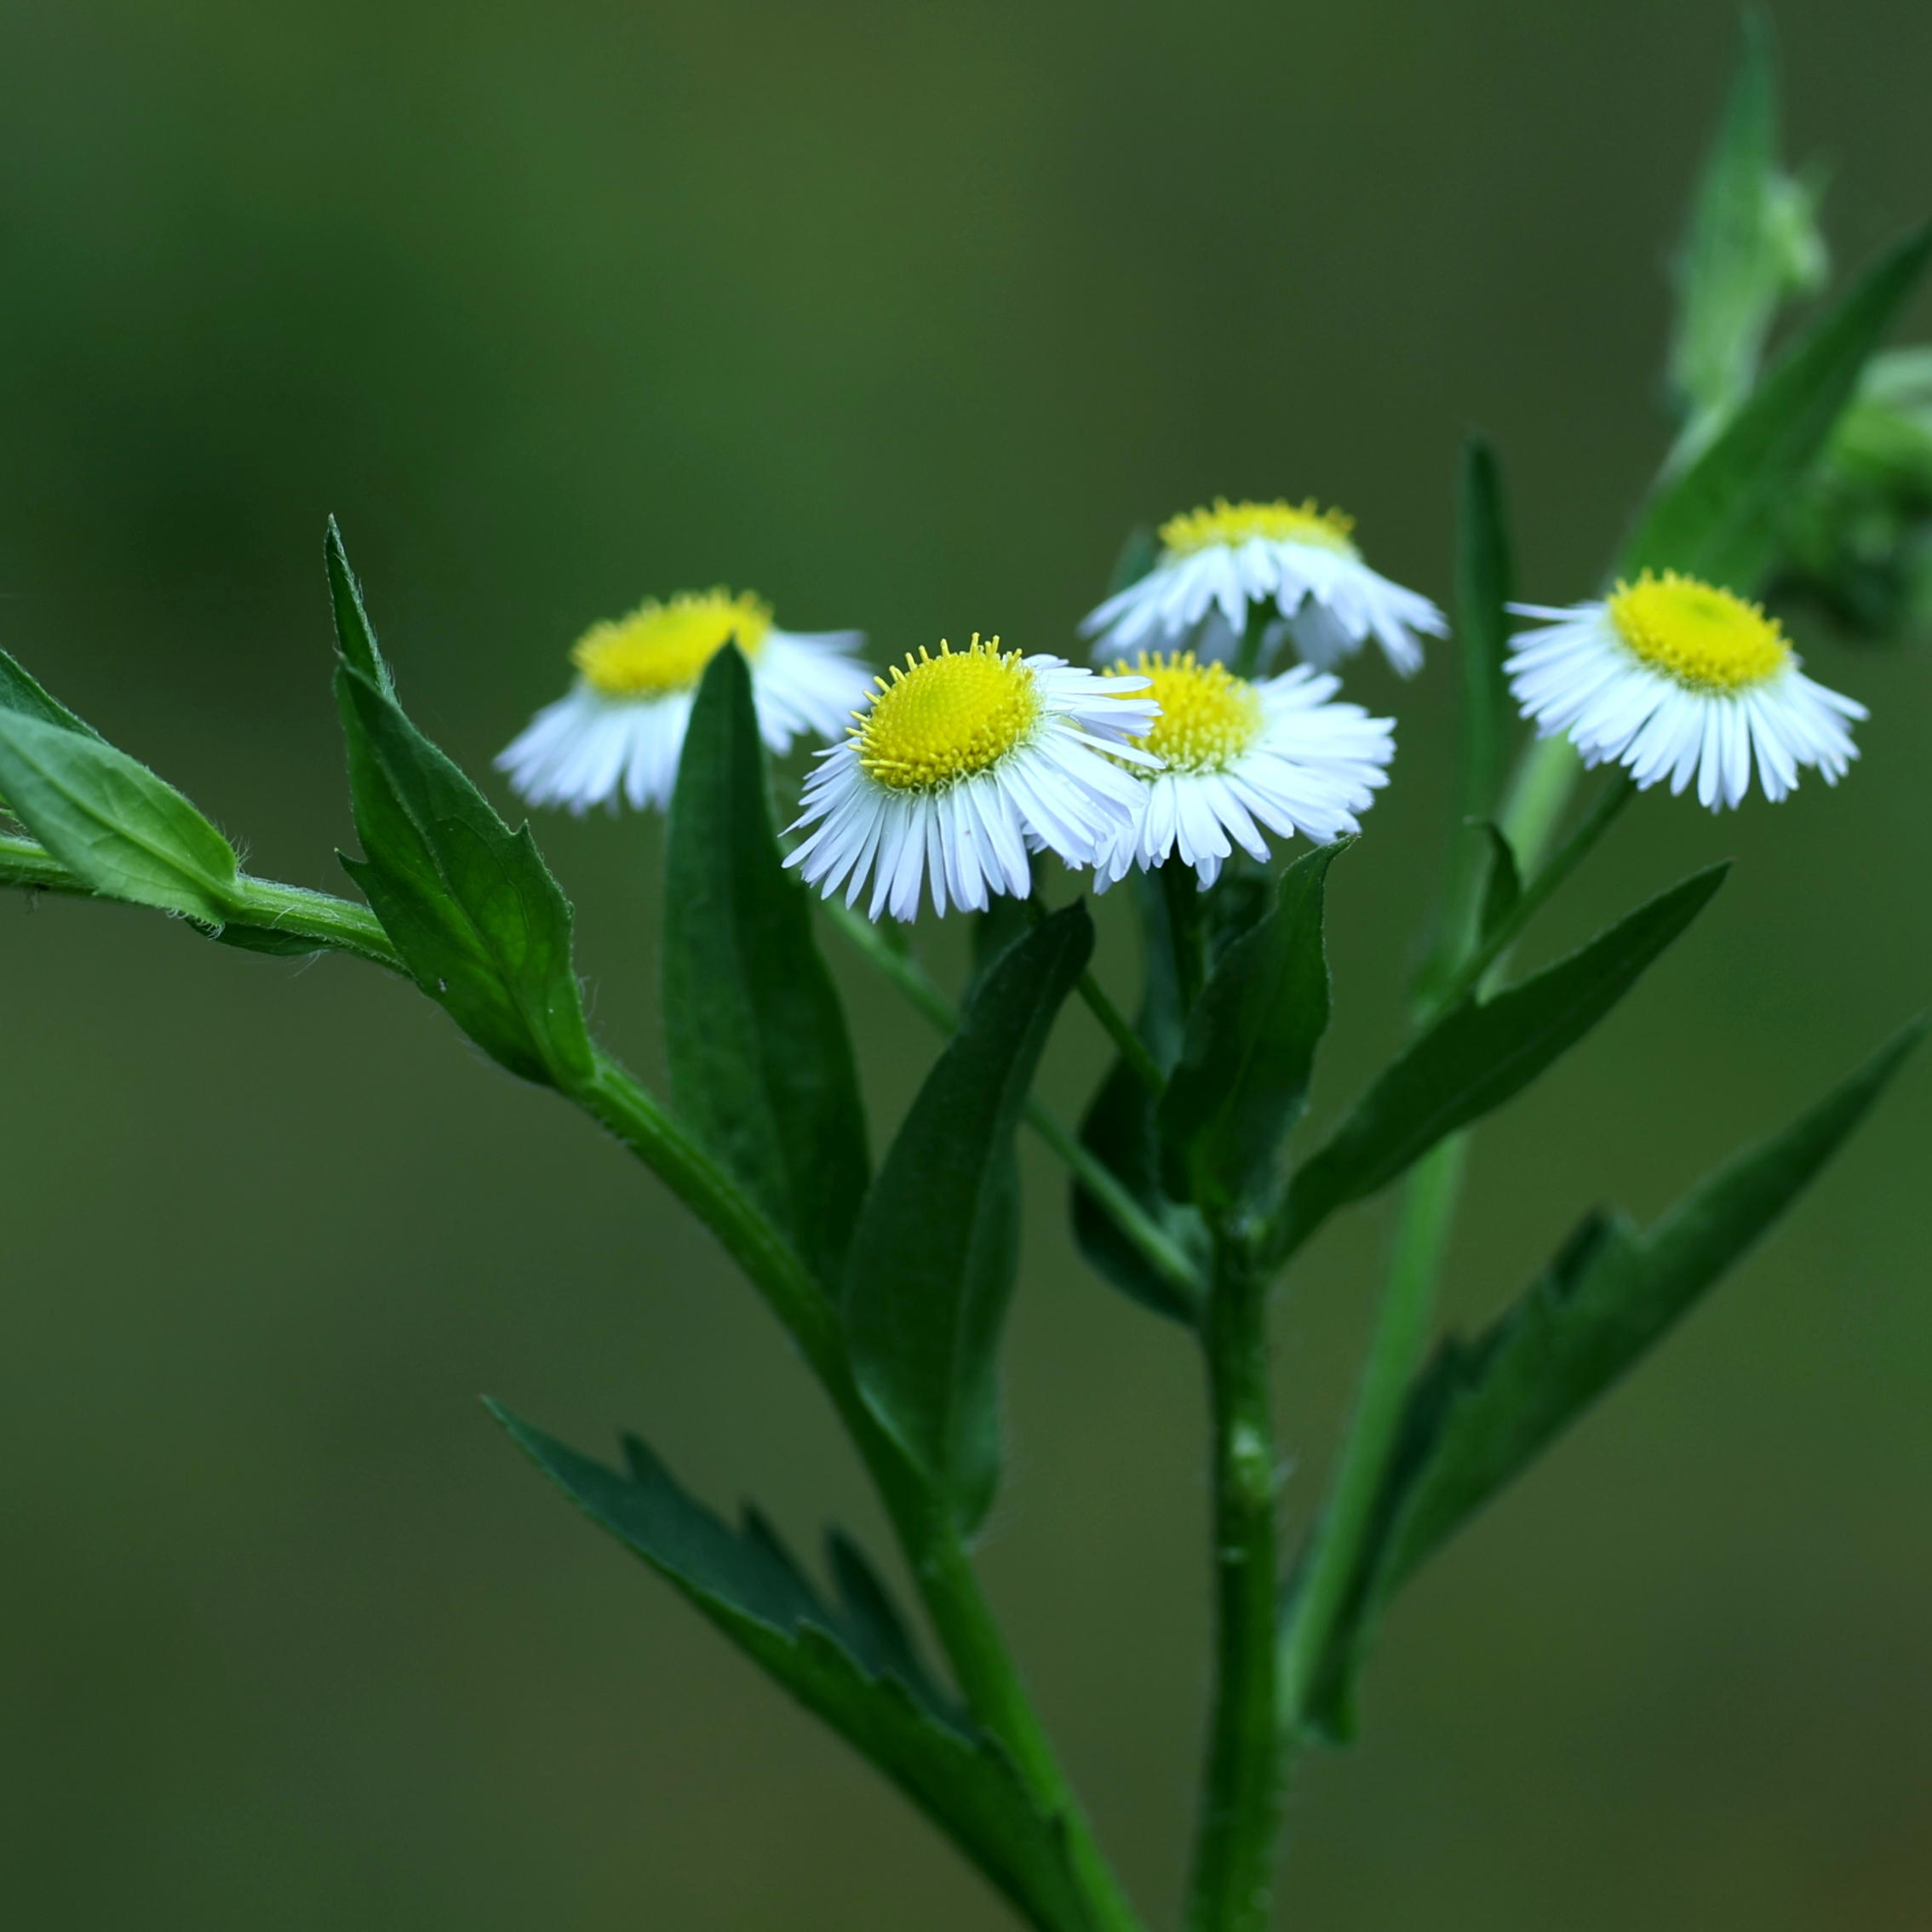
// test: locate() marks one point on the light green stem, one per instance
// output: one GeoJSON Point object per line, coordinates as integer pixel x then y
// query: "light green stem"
{"type": "Point", "coordinates": [1402, 1326]}
{"type": "Point", "coordinates": [1156, 1246]}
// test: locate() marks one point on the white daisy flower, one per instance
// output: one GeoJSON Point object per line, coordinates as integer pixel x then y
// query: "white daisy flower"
{"type": "Point", "coordinates": [1216, 563]}
{"type": "Point", "coordinates": [1673, 676]}
{"type": "Point", "coordinates": [621, 727]}
{"type": "Point", "coordinates": [1237, 757]}
{"type": "Point", "coordinates": [963, 764]}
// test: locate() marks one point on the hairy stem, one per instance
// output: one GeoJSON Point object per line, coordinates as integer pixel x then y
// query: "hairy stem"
{"type": "Point", "coordinates": [1234, 1862]}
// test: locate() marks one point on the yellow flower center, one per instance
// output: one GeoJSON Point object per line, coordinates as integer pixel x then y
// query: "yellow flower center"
{"type": "Point", "coordinates": [1703, 638]}
{"type": "Point", "coordinates": [664, 647]}
{"type": "Point", "coordinates": [1236, 523]}
{"type": "Point", "coordinates": [1209, 716]}
{"type": "Point", "coordinates": [942, 718]}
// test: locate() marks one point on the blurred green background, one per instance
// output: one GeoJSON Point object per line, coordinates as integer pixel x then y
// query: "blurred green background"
{"type": "Point", "coordinates": [901, 314]}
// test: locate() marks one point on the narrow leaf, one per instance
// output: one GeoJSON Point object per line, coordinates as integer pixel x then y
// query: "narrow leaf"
{"type": "Point", "coordinates": [20, 693]}
{"type": "Point", "coordinates": [1119, 1129]}
{"type": "Point", "coordinates": [1485, 584]}
{"type": "Point", "coordinates": [760, 1060]}
{"type": "Point", "coordinates": [127, 834]}
{"type": "Point", "coordinates": [1484, 1410]}
{"type": "Point", "coordinates": [1720, 517]}
{"type": "Point", "coordinates": [1242, 1080]}
{"type": "Point", "coordinates": [749, 1588]}
{"type": "Point", "coordinates": [1138, 555]}
{"type": "Point", "coordinates": [469, 904]}
{"type": "Point", "coordinates": [1480, 1054]}
{"type": "Point", "coordinates": [932, 1266]}
{"type": "Point", "coordinates": [1503, 886]}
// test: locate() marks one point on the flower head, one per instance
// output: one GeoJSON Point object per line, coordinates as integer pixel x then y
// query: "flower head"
{"type": "Point", "coordinates": [621, 727]}
{"type": "Point", "coordinates": [1675, 677]}
{"type": "Point", "coordinates": [1300, 560]}
{"type": "Point", "coordinates": [1238, 757]}
{"type": "Point", "coordinates": [961, 766]}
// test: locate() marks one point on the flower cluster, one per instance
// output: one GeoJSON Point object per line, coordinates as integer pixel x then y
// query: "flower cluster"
{"type": "Point", "coordinates": [959, 765]}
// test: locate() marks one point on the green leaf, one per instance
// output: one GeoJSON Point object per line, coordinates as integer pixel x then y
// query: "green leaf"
{"type": "Point", "coordinates": [469, 904]}
{"type": "Point", "coordinates": [123, 831]}
{"type": "Point", "coordinates": [749, 1588]}
{"type": "Point", "coordinates": [1119, 1129]}
{"type": "Point", "coordinates": [1503, 886]}
{"type": "Point", "coordinates": [1138, 555]}
{"type": "Point", "coordinates": [1484, 1410]}
{"type": "Point", "coordinates": [1752, 239]}
{"type": "Point", "coordinates": [760, 1061]}
{"type": "Point", "coordinates": [20, 693]}
{"type": "Point", "coordinates": [1485, 583]}
{"type": "Point", "coordinates": [1720, 518]}
{"type": "Point", "coordinates": [1478, 1055]}
{"type": "Point", "coordinates": [1242, 1082]}
{"type": "Point", "coordinates": [1005, 921]}
{"type": "Point", "coordinates": [932, 1266]}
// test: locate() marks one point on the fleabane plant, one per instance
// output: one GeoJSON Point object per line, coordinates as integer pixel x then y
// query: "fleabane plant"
{"type": "Point", "coordinates": [1205, 763]}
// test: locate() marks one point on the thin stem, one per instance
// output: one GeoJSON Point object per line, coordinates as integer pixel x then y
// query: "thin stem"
{"type": "Point", "coordinates": [1254, 632]}
{"type": "Point", "coordinates": [1602, 815]}
{"type": "Point", "coordinates": [1186, 929]}
{"type": "Point", "coordinates": [1402, 1328]}
{"type": "Point", "coordinates": [1156, 1246]}
{"type": "Point", "coordinates": [1539, 794]}
{"type": "Point", "coordinates": [1132, 1048]}
{"type": "Point", "coordinates": [1234, 1862]}
{"type": "Point", "coordinates": [333, 924]}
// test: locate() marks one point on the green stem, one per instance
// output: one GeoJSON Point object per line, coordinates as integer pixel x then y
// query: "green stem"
{"type": "Point", "coordinates": [1402, 1328]}
{"type": "Point", "coordinates": [1234, 1845]}
{"type": "Point", "coordinates": [1156, 1246]}
{"type": "Point", "coordinates": [1247, 652]}
{"type": "Point", "coordinates": [333, 924]}
{"type": "Point", "coordinates": [1539, 795]}
{"type": "Point", "coordinates": [1187, 929]}
{"type": "Point", "coordinates": [1603, 814]}
{"type": "Point", "coordinates": [1132, 1048]}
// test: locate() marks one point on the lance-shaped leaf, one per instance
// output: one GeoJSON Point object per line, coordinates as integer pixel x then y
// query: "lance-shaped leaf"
{"type": "Point", "coordinates": [1720, 518]}
{"type": "Point", "coordinates": [124, 832]}
{"type": "Point", "coordinates": [469, 904]}
{"type": "Point", "coordinates": [932, 1266]}
{"type": "Point", "coordinates": [1478, 1055]}
{"type": "Point", "coordinates": [1119, 1129]}
{"type": "Point", "coordinates": [831, 1660]}
{"type": "Point", "coordinates": [1241, 1081]}
{"type": "Point", "coordinates": [760, 1063]}
{"type": "Point", "coordinates": [1752, 239]}
{"type": "Point", "coordinates": [21, 693]}
{"type": "Point", "coordinates": [1484, 1410]}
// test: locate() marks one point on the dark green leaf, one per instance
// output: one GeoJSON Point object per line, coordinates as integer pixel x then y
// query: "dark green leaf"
{"type": "Point", "coordinates": [1241, 1081]}
{"type": "Point", "coordinates": [1503, 886]}
{"type": "Point", "coordinates": [760, 1061]}
{"type": "Point", "coordinates": [1119, 1129]}
{"type": "Point", "coordinates": [469, 904]}
{"type": "Point", "coordinates": [875, 1631]}
{"type": "Point", "coordinates": [110, 821]}
{"type": "Point", "coordinates": [1480, 1054]}
{"type": "Point", "coordinates": [1720, 517]}
{"type": "Point", "coordinates": [751, 1590]}
{"type": "Point", "coordinates": [1005, 921]}
{"type": "Point", "coordinates": [1484, 1410]}
{"type": "Point", "coordinates": [1485, 583]}
{"type": "Point", "coordinates": [932, 1266]}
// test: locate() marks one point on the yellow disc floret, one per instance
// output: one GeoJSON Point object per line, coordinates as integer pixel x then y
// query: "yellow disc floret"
{"type": "Point", "coordinates": [942, 718]}
{"type": "Point", "coordinates": [664, 647]}
{"type": "Point", "coordinates": [1209, 716]}
{"type": "Point", "coordinates": [1236, 523]}
{"type": "Point", "coordinates": [1703, 638]}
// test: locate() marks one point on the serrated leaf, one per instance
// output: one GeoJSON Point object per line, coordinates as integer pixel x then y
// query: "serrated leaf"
{"type": "Point", "coordinates": [469, 904]}
{"type": "Point", "coordinates": [1119, 1129]}
{"type": "Point", "coordinates": [1478, 1055]}
{"type": "Point", "coordinates": [1241, 1081]}
{"type": "Point", "coordinates": [749, 1588]}
{"type": "Point", "coordinates": [760, 1060]}
{"type": "Point", "coordinates": [932, 1266]}
{"type": "Point", "coordinates": [1720, 517]}
{"type": "Point", "coordinates": [124, 832]}
{"type": "Point", "coordinates": [1484, 1410]}
{"type": "Point", "coordinates": [1751, 241]}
